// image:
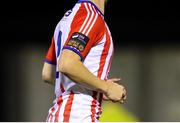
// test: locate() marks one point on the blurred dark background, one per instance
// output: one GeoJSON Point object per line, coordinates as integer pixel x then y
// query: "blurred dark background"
{"type": "Point", "coordinates": [131, 22]}
{"type": "Point", "coordinates": [29, 26]}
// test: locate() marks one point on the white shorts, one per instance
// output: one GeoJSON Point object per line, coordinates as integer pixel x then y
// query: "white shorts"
{"type": "Point", "coordinates": [75, 108]}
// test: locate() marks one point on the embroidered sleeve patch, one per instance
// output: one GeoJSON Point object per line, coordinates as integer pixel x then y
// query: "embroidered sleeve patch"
{"type": "Point", "coordinates": [78, 41]}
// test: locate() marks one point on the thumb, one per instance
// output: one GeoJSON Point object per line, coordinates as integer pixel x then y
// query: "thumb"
{"type": "Point", "coordinates": [114, 80]}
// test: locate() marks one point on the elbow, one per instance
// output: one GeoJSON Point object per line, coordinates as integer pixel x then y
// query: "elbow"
{"type": "Point", "coordinates": [68, 62]}
{"type": "Point", "coordinates": [46, 78]}
{"type": "Point", "coordinates": [48, 73]}
{"type": "Point", "coordinates": [65, 66]}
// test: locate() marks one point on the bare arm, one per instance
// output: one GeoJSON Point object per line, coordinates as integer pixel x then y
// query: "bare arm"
{"type": "Point", "coordinates": [48, 73]}
{"type": "Point", "coordinates": [70, 65]}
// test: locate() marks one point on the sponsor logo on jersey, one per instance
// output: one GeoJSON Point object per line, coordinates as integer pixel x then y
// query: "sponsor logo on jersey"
{"type": "Point", "coordinates": [78, 41]}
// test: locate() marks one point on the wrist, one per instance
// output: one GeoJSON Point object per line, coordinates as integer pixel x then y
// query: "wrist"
{"type": "Point", "coordinates": [104, 87]}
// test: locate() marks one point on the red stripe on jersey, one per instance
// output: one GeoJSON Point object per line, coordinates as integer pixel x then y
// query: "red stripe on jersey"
{"type": "Point", "coordinates": [78, 19]}
{"type": "Point", "coordinates": [110, 61]}
{"type": "Point", "coordinates": [88, 17]}
{"type": "Point", "coordinates": [51, 54]}
{"type": "Point", "coordinates": [100, 70]}
{"type": "Point", "coordinates": [99, 24]}
{"type": "Point", "coordinates": [92, 21]}
{"type": "Point", "coordinates": [50, 115]}
{"type": "Point", "coordinates": [87, 20]}
{"type": "Point", "coordinates": [59, 102]}
{"type": "Point", "coordinates": [93, 106]}
{"type": "Point", "coordinates": [100, 101]}
{"type": "Point", "coordinates": [104, 54]}
{"type": "Point", "coordinates": [62, 88]}
{"type": "Point", "coordinates": [52, 111]}
{"type": "Point", "coordinates": [96, 34]}
{"type": "Point", "coordinates": [68, 106]}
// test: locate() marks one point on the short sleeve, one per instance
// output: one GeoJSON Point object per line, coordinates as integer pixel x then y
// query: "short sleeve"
{"type": "Point", "coordinates": [86, 31]}
{"type": "Point", "coordinates": [51, 54]}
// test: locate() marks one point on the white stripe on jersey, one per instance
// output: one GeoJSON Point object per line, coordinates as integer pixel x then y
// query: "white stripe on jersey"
{"type": "Point", "coordinates": [97, 106]}
{"type": "Point", "coordinates": [104, 76]}
{"type": "Point", "coordinates": [75, 108]}
{"type": "Point", "coordinates": [93, 20]}
{"type": "Point", "coordinates": [60, 27]}
{"type": "Point", "coordinates": [61, 111]}
{"type": "Point", "coordinates": [111, 50]}
{"type": "Point", "coordinates": [87, 17]}
{"type": "Point", "coordinates": [52, 112]}
{"type": "Point", "coordinates": [81, 109]}
{"type": "Point", "coordinates": [94, 65]}
{"type": "Point", "coordinates": [89, 21]}
{"type": "Point", "coordinates": [92, 62]}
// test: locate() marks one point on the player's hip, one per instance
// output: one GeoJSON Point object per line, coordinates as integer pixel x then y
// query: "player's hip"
{"type": "Point", "coordinates": [75, 107]}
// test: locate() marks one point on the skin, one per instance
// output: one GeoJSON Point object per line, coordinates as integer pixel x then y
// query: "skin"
{"type": "Point", "coordinates": [74, 69]}
{"type": "Point", "coordinates": [100, 4]}
{"type": "Point", "coordinates": [48, 73]}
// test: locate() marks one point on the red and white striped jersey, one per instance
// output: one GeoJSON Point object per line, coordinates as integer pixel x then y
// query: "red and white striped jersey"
{"type": "Point", "coordinates": [84, 31]}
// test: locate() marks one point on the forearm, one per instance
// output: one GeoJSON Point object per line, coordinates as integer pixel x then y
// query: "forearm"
{"type": "Point", "coordinates": [80, 74]}
{"type": "Point", "coordinates": [50, 81]}
{"type": "Point", "coordinates": [69, 63]}
{"type": "Point", "coordinates": [48, 73]}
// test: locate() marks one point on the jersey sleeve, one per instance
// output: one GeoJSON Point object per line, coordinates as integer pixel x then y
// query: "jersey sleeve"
{"type": "Point", "coordinates": [51, 54]}
{"type": "Point", "coordinates": [85, 33]}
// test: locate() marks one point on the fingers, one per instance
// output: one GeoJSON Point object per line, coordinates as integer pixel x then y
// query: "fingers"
{"type": "Point", "coordinates": [105, 98]}
{"type": "Point", "coordinates": [114, 79]}
{"type": "Point", "coordinates": [122, 99]}
{"type": "Point", "coordinates": [115, 91]}
{"type": "Point", "coordinates": [124, 96]}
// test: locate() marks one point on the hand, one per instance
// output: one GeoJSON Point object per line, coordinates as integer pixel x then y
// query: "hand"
{"type": "Point", "coordinates": [115, 92]}
{"type": "Point", "coordinates": [105, 98]}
